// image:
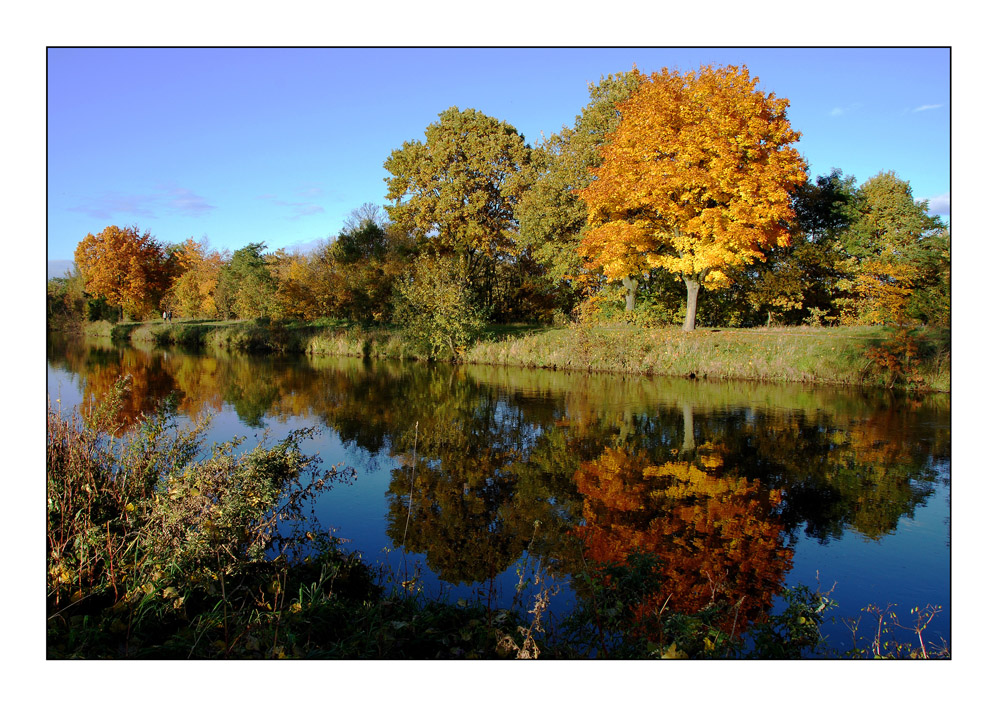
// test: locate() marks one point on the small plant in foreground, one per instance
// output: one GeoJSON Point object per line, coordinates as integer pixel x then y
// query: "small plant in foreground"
{"type": "Point", "coordinates": [529, 646]}
{"type": "Point", "coordinates": [795, 630]}
{"type": "Point", "coordinates": [897, 357]}
{"type": "Point", "coordinates": [883, 642]}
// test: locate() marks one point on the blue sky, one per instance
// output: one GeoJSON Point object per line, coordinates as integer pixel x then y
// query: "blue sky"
{"type": "Point", "coordinates": [279, 145]}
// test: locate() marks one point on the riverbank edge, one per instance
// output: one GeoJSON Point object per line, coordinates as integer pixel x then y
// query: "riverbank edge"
{"type": "Point", "coordinates": [871, 356]}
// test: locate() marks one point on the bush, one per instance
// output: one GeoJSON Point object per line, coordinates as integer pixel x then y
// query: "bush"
{"type": "Point", "coordinates": [99, 310]}
{"type": "Point", "coordinates": [435, 308]}
{"type": "Point", "coordinates": [140, 531]}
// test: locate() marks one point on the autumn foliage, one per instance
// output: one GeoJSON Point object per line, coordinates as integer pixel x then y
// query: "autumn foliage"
{"type": "Point", "coordinates": [193, 291]}
{"type": "Point", "coordinates": [666, 185]}
{"type": "Point", "coordinates": [129, 269]}
{"type": "Point", "coordinates": [695, 179]}
{"type": "Point", "coordinates": [718, 534]}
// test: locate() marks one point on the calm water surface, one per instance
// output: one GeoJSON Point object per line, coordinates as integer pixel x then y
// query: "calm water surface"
{"type": "Point", "coordinates": [740, 488]}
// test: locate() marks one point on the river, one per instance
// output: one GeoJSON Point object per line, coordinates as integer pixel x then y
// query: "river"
{"type": "Point", "coordinates": [740, 488]}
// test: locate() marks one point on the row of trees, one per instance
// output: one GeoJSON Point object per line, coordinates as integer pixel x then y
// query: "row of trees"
{"type": "Point", "coordinates": [673, 198]}
{"type": "Point", "coordinates": [122, 272]}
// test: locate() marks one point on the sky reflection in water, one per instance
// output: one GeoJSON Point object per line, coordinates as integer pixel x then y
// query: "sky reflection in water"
{"type": "Point", "coordinates": [740, 488]}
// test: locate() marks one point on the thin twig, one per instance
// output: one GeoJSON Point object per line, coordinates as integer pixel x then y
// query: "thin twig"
{"type": "Point", "coordinates": [413, 470]}
{"type": "Point", "coordinates": [409, 503]}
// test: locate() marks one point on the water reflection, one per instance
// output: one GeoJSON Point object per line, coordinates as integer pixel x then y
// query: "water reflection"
{"type": "Point", "coordinates": [718, 480]}
{"type": "Point", "coordinates": [720, 536]}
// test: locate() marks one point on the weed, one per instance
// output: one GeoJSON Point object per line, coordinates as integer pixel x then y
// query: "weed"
{"type": "Point", "coordinates": [883, 642]}
{"type": "Point", "coordinates": [529, 646]}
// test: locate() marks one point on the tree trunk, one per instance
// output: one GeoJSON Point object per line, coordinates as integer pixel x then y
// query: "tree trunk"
{"type": "Point", "coordinates": [630, 284]}
{"type": "Point", "coordinates": [693, 285]}
{"type": "Point", "coordinates": [688, 412]}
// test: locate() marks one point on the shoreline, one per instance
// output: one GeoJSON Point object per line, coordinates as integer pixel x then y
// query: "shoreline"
{"type": "Point", "coordinates": [877, 357]}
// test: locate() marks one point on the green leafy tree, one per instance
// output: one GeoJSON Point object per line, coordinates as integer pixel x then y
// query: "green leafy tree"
{"type": "Point", "coordinates": [895, 248]}
{"type": "Point", "coordinates": [930, 302]}
{"type": "Point", "coordinates": [460, 187]}
{"type": "Point", "coordinates": [246, 288]}
{"type": "Point", "coordinates": [436, 308]}
{"type": "Point", "coordinates": [354, 272]}
{"type": "Point", "coordinates": [366, 266]}
{"type": "Point", "coordinates": [797, 281]}
{"type": "Point", "coordinates": [551, 215]}
{"type": "Point", "coordinates": [888, 220]}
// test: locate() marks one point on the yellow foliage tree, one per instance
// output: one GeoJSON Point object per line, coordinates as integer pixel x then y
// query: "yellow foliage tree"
{"type": "Point", "coordinates": [192, 293]}
{"type": "Point", "coordinates": [879, 291]}
{"type": "Point", "coordinates": [295, 296]}
{"type": "Point", "coordinates": [695, 180]}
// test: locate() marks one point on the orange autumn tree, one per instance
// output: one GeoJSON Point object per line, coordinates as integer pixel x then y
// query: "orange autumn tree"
{"type": "Point", "coordinates": [695, 180]}
{"type": "Point", "coordinates": [717, 534]}
{"type": "Point", "coordinates": [129, 269]}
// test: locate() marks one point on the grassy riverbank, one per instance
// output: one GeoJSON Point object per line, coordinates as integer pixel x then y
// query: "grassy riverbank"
{"type": "Point", "coordinates": [864, 356]}
{"type": "Point", "coordinates": [845, 356]}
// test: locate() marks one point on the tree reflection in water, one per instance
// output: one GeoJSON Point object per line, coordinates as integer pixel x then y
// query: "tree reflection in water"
{"type": "Point", "coordinates": [714, 479]}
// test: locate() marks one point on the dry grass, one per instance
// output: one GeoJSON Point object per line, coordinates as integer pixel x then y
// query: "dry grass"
{"type": "Point", "coordinates": [791, 354]}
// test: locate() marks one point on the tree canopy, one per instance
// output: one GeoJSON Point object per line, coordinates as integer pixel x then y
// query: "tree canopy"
{"type": "Point", "coordinates": [551, 215]}
{"type": "Point", "coordinates": [898, 257]}
{"type": "Point", "coordinates": [662, 183]}
{"type": "Point", "coordinates": [129, 269]}
{"type": "Point", "coordinates": [246, 287]}
{"type": "Point", "coordinates": [695, 179]}
{"type": "Point", "coordinates": [192, 292]}
{"type": "Point", "coordinates": [460, 188]}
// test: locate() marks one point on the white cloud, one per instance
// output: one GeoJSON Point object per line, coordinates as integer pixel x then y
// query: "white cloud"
{"type": "Point", "coordinates": [178, 199]}
{"type": "Point", "coordinates": [311, 190]}
{"type": "Point", "coordinates": [306, 247]}
{"type": "Point", "coordinates": [841, 110]}
{"type": "Point", "coordinates": [928, 106]}
{"type": "Point", "coordinates": [187, 202]}
{"type": "Point", "coordinates": [299, 208]}
{"type": "Point", "coordinates": [105, 206]}
{"type": "Point", "coordinates": [940, 205]}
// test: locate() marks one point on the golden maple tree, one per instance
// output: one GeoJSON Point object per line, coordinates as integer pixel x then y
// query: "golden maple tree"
{"type": "Point", "coordinates": [128, 268]}
{"type": "Point", "coordinates": [695, 180]}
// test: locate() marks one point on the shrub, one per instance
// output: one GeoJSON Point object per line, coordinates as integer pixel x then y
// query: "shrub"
{"type": "Point", "coordinates": [139, 528]}
{"type": "Point", "coordinates": [435, 308]}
